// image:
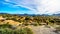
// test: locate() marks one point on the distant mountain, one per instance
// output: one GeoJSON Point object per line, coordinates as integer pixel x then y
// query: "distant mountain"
{"type": "Point", "coordinates": [3, 13]}
{"type": "Point", "coordinates": [33, 14]}
{"type": "Point", "coordinates": [56, 14]}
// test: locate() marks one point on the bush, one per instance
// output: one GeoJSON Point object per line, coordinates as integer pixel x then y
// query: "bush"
{"type": "Point", "coordinates": [19, 31]}
{"type": "Point", "coordinates": [5, 26]}
{"type": "Point", "coordinates": [57, 28]}
{"type": "Point", "coordinates": [24, 31]}
{"type": "Point", "coordinates": [6, 30]}
{"type": "Point", "coordinates": [28, 30]}
{"type": "Point", "coordinates": [35, 24]}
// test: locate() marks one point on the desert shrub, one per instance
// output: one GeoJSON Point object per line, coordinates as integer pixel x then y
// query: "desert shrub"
{"type": "Point", "coordinates": [57, 28]}
{"type": "Point", "coordinates": [26, 24]}
{"type": "Point", "coordinates": [19, 31]}
{"type": "Point", "coordinates": [35, 24]}
{"type": "Point", "coordinates": [28, 30]}
{"type": "Point", "coordinates": [5, 26]}
{"type": "Point", "coordinates": [6, 30]}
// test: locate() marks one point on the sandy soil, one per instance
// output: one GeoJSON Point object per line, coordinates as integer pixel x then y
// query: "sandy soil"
{"type": "Point", "coordinates": [43, 30]}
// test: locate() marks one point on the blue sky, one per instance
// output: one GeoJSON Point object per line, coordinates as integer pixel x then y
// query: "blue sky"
{"type": "Point", "coordinates": [30, 6]}
{"type": "Point", "coordinates": [9, 8]}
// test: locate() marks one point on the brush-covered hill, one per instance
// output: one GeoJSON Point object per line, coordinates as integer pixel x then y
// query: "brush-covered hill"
{"type": "Point", "coordinates": [30, 20]}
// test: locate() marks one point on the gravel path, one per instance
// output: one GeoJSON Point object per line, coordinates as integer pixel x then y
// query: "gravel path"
{"type": "Point", "coordinates": [42, 30]}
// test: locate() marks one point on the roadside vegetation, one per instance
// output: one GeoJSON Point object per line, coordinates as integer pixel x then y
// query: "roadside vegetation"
{"type": "Point", "coordinates": [9, 27]}
{"type": "Point", "coordinates": [33, 20]}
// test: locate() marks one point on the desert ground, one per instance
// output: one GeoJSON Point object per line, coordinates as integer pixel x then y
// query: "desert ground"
{"type": "Point", "coordinates": [43, 30]}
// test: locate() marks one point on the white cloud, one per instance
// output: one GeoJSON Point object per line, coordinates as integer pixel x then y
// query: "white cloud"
{"type": "Point", "coordinates": [26, 4]}
{"type": "Point", "coordinates": [51, 6]}
{"type": "Point", "coordinates": [40, 6]}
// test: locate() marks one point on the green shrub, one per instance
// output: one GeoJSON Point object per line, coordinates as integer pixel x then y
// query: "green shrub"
{"type": "Point", "coordinates": [57, 28]}
{"type": "Point", "coordinates": [5, 26]}
{"type": "Point", "coordinates": [6, 30]}
{"type": "Point", "coordinates": [28, 30]}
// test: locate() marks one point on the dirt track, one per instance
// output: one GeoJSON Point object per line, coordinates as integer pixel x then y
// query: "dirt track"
{"type": "Point", "coordinates": [43, 30]}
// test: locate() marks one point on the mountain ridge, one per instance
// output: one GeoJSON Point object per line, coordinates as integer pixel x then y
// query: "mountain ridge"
{"type": "Point", "coordinates": [33, 14]}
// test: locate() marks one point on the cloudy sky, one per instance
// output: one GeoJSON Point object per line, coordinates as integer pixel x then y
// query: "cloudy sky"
{"type": "Point", "coordinates": [30, 6]}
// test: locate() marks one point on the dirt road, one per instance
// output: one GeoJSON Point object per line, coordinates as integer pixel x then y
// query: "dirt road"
{"type": "Point", "coordinates": [43, 30]}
